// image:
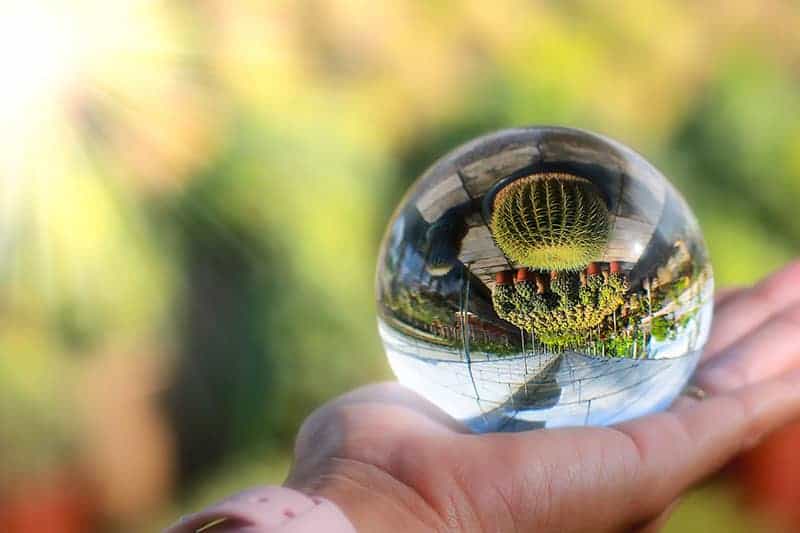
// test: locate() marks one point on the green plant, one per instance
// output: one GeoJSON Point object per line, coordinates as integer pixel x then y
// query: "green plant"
{"type": "Point", "coordinates": [551, 221]}
{"type": "Point", "coordinates": [417, 307]}
{"type": "Point", "coordinates": [662, 328]}
{"type": "Point", "coordinates": [567, 314]}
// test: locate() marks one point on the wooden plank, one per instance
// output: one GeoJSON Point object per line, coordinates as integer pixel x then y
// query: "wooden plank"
{"type": "Point", "coordinates": [489, 263]}
{"type": "Point", "coordinates": [642, 198]}
{"type": "Point", "coordinates": [481, 175]}
{"type": "Point", "coordinates": [478, 244]}
{"type": "Point", "coordinates": [474, 218]}
{"type": "Point", "coordinates": [478, 236]}
{"type": "Point", "coordinates": [442, 196]}
{"type": "Point", "coordinates": [480, 253]}
{"type": "Point", "coordinates": [629, 239]}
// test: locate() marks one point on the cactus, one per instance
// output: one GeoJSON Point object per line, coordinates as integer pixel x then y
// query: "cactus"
{"type": "Point", "coordinates": [566, 287]}
{"type": "Point", "coordinates": [566, 315]}
{"type": "Point", "coordinates": [551, 221]}
{"type": "Point", "coordinates": [503, 301]}
{"type": "Point", "coordinates": [526, 289]}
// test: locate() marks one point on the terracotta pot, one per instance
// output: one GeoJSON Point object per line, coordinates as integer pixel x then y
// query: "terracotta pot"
{"type": "Point", "coordinates": [523, 274]}
{"type": "Point", "coordinates": [505, 277]}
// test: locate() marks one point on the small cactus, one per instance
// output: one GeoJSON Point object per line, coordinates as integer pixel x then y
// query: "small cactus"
{"type": "Point", "coordinates": [503, 300]}
{"type": "Point", "coordinates": [551, 221]}
{"type": "Point", "coordinates": [566, 287]}
{"type": "Point", "coordinates": [565, 315]}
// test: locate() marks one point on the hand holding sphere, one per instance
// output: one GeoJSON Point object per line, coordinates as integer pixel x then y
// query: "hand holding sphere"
{"type": "Point", "coordinates": [547, 277]}
{"type": "Point", "coordinates": [395, 462]}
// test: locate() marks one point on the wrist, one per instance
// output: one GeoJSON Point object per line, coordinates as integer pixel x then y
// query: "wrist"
{"type": "Point", "coordinates": [269, 509]}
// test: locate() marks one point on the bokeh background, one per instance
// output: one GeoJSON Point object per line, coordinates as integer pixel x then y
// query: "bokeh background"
{"type": "Point", "coordinates": [192, 194]}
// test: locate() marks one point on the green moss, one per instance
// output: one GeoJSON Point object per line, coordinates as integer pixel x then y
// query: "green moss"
{"type": "Point", "coordinates": [551, 221]}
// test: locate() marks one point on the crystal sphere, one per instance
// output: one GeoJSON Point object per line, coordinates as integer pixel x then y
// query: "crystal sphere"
{"type": "Point", "coordinates": [543, 277]}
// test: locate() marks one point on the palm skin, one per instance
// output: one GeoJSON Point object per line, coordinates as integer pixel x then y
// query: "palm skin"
{"type": "Point", "coordinates": [394, 462]}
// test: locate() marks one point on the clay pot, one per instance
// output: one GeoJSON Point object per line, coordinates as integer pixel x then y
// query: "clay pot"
{"type": "Point", "coordinates": [523, 274]}
{"type": "Point", "coordinates": [505, 277]}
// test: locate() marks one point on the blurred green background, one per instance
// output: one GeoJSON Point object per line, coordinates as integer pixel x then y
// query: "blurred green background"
{"type": "Point", "coordinates": [192, 195]}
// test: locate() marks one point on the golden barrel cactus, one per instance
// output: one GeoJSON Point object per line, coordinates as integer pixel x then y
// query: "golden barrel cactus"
{"type": "Point", "coordinates": [551, 221]}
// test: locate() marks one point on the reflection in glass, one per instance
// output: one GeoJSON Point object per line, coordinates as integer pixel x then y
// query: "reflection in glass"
{"type": "Point", "coordinates": [544, 277]}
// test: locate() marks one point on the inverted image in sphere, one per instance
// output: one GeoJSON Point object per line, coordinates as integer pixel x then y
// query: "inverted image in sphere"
{"type": "Point", "coordinates": [543, 277]}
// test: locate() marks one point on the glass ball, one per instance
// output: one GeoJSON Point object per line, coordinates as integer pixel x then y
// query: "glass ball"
{"type": "Point", "coordinates": [544, 277]}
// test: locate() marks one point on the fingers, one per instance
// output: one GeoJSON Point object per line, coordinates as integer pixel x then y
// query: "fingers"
{"type": "Point", "coordinates": [380, 414]}
{"type": "Point", "coordinates": [605, 479]}
{"type": "Point", "coordinates": [739, 313]}
{"type": "Point", "coordinates": [726, 294]}
{"type": "Point", "coordinates": [766, 352]}
{"type": "Point", "coordinates": [657, 524]}
{"type": "Point", "coordinates": [348, 451]}
{"type": "Point", "coordinates": [679, 448]}
{"type": "Point", "coordinates": [391, 394]}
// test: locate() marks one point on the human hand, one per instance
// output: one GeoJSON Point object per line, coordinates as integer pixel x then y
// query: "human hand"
{"type": "Point", "coordinates": [394, 462]}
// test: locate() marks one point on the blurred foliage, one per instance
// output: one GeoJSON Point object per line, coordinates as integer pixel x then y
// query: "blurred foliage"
{"type": "Point", "coordinates": [206, 184]}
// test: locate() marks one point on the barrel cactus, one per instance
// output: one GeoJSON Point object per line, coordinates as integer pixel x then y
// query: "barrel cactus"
{"type": "Point", "coordinates": [551, 221]}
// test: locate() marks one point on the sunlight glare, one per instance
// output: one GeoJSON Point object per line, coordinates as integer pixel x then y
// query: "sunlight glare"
{"type": "Point", "coordinates": [37, 57]}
